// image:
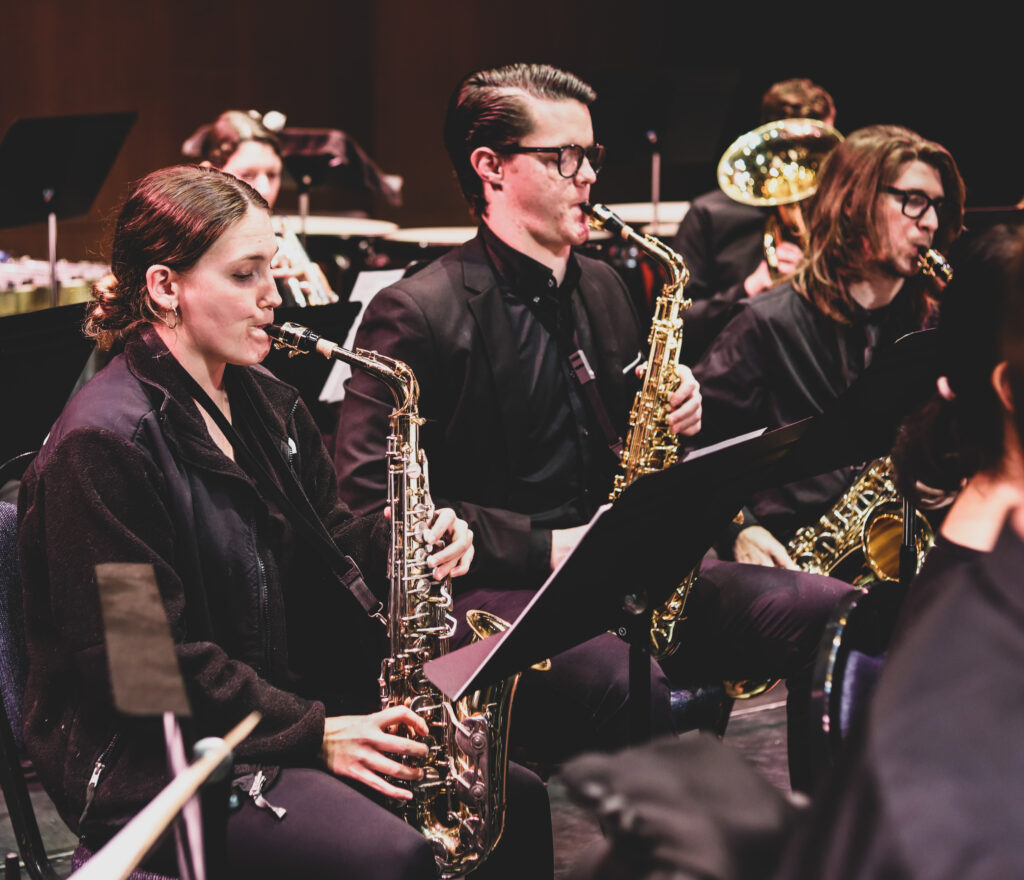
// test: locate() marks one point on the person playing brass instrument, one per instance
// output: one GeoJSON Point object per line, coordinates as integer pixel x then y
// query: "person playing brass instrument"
{"type": "Point", "coordinates": [885, 197]}
{"type": "Point", "coordinates": [516, 434]}
{"type": "Point", "coordinates": [722, 240]}
{"type": "Point", "coordinates": [184, 454]}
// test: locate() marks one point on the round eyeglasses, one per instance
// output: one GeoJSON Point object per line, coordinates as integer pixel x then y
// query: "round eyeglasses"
{"type": "Point", "coordinates": [570, 156]}
{"type": "Point", "coordinates": [916, 203]}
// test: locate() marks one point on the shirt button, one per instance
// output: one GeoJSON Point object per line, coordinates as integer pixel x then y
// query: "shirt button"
{"type": "Point", "coordinates": [551, 282]}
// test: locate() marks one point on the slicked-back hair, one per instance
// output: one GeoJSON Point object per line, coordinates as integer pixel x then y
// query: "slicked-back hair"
{"type": "Point", "coordinates": [171, 218]}
{"type": "Point", "coordinates": [488, 109]}
{"type": "Point", "coordinates": [845, 235]}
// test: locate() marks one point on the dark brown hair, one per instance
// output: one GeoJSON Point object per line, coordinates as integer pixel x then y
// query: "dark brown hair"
{"type": "Point", "coordinates": [217, 142]}
{"type": "Point", "coordinates": [171, 218]}
{"type": "Point", "coordinates": [487, 110]}
{"type": "Point", "coordinates": [842, 224]}
{"type": "Point", "coordinates": [796, 98]}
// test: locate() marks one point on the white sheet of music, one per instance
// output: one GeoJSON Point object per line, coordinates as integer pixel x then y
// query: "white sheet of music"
{"type": "Point", "coordinates": [368, 285]}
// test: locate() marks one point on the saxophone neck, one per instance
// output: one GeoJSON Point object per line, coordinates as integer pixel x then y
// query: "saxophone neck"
{"type": "Point", "coordinates": [601, 217]}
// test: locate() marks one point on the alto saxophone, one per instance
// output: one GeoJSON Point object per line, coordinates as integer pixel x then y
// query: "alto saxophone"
{"type": "Point", "coordinates": [459, 804]}
{"type": "Point", "coordinates": [650, 444]}
{"type": "Point", "coordinates": [858, 539]}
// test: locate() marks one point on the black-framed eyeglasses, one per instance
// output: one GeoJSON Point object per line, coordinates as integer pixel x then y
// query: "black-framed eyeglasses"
{"type": "Point", "coordinates": [915, 203]}
{"type": "Point", "coordinates": [570, 156]}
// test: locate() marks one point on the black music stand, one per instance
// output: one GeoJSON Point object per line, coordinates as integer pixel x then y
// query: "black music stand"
{"type": "Point", "coordinates": [53, 167]}
{"type": "Point", "coordinates": [42, 354]}
{"type": "Point", "coordinates": [588, 592]}
{"type": "Point", "coordinates": [315, 156]}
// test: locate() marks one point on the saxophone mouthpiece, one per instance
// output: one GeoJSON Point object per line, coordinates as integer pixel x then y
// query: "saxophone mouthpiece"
{"type": "Point", "coordinates": [295, 337]}
{"type": "Point", "coordinates": [931, 262]}
{"type": "Point", "coordinates": [601, 217]}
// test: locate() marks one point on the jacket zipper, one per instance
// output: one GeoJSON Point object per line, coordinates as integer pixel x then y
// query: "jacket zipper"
{"type": "Point", "coordinates": [97, 772]}
{"type": "Point", "coordinates": [264, 600]}
{"type": "Point", "coordinates": [256, 793]}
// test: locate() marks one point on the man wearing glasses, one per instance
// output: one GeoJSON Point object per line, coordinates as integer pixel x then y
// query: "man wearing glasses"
{"type": "Point", "coordinates": [885, 195]}
{"type": "Point", "coordinates": [517, 440]}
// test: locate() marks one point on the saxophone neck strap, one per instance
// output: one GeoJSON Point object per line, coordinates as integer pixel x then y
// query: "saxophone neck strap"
{"type": "Point", "coordinates": [289, 496]}
{"type": "Point", "coordinates": [585, 377]}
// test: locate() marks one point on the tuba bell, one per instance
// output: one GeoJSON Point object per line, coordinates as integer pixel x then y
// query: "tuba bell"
{"type": "Point", "coordinates": [776, 166]}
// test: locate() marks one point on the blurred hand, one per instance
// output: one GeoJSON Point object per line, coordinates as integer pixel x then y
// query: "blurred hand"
{"type": "Point", "coordinates": [757, 546]}
{"type": "Point", "coordinates": [760, 280]}
{"type": "Point", "coordinates": [563, 541]}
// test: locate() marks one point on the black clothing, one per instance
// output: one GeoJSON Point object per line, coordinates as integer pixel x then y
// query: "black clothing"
{"type": "Point", "coordinates": [129, 473]}
{"type": "Point", "coordinates": [451, 324]}
{"type": "Point", "coordinates": [722, 242]}
{"type": "Point", "coordinates": [780, 360]}
{"type": "Point", "coordinates": [560, 449]}
{"type": "Point", "coordinates": [933, 790]}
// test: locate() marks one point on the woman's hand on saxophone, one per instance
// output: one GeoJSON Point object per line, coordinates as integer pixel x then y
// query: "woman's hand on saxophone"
{"type": "Point", "coordinates": [360, 746]}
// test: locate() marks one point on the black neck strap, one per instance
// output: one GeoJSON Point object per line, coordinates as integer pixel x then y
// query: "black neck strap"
{"type": "Point", "coordinates": [292, 500]}
{"type": "Point", "coordinates": [586, 379]}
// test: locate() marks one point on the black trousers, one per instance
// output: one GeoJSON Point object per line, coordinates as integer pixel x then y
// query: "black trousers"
{"type": "Point", "coordinates": [334, 830]}
{"type": "Point", "coordinates": [744, 621]}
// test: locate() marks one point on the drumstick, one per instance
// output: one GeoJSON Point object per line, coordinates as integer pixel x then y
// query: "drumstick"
{"type": "Point", "coordinates": [123, 852]}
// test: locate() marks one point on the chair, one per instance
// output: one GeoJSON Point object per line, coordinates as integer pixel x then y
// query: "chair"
{"type": "Point", "coordinates": [13, 670]}
{"type": "Point", "coordinates": [12, 686]}
{"type": "Point", "coordinates": [850, 661]}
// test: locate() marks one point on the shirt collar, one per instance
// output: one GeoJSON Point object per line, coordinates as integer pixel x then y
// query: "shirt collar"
{"type": "Point", "coordinates": [523, 275]}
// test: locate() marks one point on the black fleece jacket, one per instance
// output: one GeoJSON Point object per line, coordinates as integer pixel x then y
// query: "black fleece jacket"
{"type": "Point", "coordinates": [130, 474]}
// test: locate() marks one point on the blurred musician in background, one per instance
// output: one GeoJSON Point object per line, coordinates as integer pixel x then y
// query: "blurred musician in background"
{"type": "Point", "coordinates": [884, 195]}
{"type": "Point", "coordinates": [516, 443]}
{"type": "Point", "coordinates": [169, 457]}
{"type": "Point", "coordinates": [939, 718]}
{"type": "Point", "coordinates": [722, 240]}
{"type": "Point", "coordinates": [244, 144]}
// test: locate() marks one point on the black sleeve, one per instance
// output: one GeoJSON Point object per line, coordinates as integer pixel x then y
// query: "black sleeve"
{"type": "Point", "coordinates": [510, 552]}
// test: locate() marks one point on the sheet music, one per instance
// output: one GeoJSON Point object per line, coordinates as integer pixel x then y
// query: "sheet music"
{"type": "Point", "coordinates": [368, 284]}
{"type": "Point", "coordinates": [724, 444]}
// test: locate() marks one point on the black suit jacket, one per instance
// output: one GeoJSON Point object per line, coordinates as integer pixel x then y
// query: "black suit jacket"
{"type": "Point", "coordinates": [722, 241]}
{"type": "Point", "coordinates": [449, 323]}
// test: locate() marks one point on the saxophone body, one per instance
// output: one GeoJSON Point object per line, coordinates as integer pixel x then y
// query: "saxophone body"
{"type": "Point", "coordinates": [459, 804]}
{"type": "Point", "coordinates": [858, 539]}
{"type": "Point", "coordinates": [650, 444]}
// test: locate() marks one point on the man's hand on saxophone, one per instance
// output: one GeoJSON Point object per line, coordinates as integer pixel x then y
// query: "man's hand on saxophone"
{"type": "Point", "coordinates": [360, 747]}
{"type": "Point", "coordinates": [757, 546]}
{"type": "Point", "coordinates": [685, 416]}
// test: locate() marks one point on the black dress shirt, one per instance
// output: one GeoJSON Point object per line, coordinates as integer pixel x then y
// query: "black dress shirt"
{"type": "Point", "coordinates": [780, 360]}
{"type": "Point", "coordinates": [566, 471]}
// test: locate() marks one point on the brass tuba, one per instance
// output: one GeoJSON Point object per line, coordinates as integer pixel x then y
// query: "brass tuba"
{"type": "Point", "coordinates": [776, 165]}
{"type": "Point", "coordinates": [459, 805]}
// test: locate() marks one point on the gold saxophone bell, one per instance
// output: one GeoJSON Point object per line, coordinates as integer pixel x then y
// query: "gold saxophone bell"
{"type": "Point", "coordinates": [776, 166]}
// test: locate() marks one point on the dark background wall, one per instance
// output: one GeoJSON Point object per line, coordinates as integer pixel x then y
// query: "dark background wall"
{"type": "Point", "coordinates": [382, 71]}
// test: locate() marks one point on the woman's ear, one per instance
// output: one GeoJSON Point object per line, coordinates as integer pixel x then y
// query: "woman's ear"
{"type": "Point", "coordinates": [161, 282]}
{"type": "Point", "coordinates": [488, 165]}
{"type": "Point", "coordinates": [1001, 384]}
